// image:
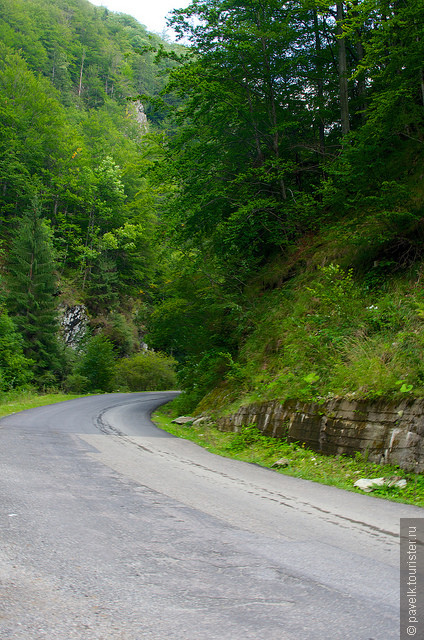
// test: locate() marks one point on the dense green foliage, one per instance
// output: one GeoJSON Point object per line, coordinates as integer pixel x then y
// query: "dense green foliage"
{"type": "Point", "coordinates": [265, 229]}
{"type": "Point", "coordinates": [95, 369]}
{"type": "Point", "coordinates": [78, 205]}
{"type": "Point", "coordinates": [146, 371]}
{"type": "Point", "coordinates": [31, 293]}
{"type": "Point", "coordinates": [15, 368]}
{"type": "Point", "coordinates": [301, 126]}
{"type": "Point", "coordinates": [327, 333]}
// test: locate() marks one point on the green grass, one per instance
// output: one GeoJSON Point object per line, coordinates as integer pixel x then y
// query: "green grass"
{"type": "Point", "coordinates": [16, 401]}
{"type": "Point", "coordinates": [250, 445]}
{"type": "Point", "coordinates": [334, 336]}
{"type": "Point", "coordinates": [340, 330]}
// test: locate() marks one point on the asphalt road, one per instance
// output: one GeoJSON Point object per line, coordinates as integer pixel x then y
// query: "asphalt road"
{"type": "Point", "coordinates": [111, 529]}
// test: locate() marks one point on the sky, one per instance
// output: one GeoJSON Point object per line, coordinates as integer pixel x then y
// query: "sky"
{"type": "Point", "coordinates": [151, 13]}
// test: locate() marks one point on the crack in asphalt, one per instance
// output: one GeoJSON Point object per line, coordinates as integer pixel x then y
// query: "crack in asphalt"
{"type": "Point", "coordinates": [107, 428]}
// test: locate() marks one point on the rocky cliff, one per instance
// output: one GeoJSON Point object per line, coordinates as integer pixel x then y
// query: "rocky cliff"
{"type": "Point", "coordinates": [384, 432]}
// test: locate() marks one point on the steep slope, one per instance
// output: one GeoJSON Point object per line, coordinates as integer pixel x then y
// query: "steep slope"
{"type": "Point", "coordinates": [75, 149]}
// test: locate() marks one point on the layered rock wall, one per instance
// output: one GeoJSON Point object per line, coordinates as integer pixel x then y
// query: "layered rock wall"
{"type": "Point", "coordinates": [385, 433]}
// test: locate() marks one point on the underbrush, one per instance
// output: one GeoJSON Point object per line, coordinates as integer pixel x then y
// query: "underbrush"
{"type": "Point", "coordinates": [250, 445]}
{"type": "Point", "coordinates": [327, 333]}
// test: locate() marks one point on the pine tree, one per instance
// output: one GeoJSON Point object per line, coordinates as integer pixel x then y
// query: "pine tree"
{"type": "Point", "coordinates": [32, 292]}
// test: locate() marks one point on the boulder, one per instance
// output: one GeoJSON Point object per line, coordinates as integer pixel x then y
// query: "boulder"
{"type": "Point", "coordinates": [200, 420]}
{"type": "Point", "coordinates": [183, 420]}
{"type": "Point", "coordinates": [369, 484]}
{"type": "Point", "coordinates": [281, 463]}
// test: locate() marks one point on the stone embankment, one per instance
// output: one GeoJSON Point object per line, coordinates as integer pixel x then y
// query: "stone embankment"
{"type": "Point", "coordinates": [384, 433]}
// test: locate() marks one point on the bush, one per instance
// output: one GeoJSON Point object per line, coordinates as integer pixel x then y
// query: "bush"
{"type": "Point", "coordinates": [146, 371]}
{"type": "Point", "coordinates": [121, 332]}
{"type": "Point", "coordinates": [15, 368]}
{"type": "Point", "coordinates": [76, 383]}
{"type": "Point", "coordinates": [248, 436]}
{"type": "Point", "coordinates": [97, 364]}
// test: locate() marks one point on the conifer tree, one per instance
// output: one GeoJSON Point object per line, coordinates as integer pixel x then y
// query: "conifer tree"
{"type": "Point", "coordinates": [32, 292]}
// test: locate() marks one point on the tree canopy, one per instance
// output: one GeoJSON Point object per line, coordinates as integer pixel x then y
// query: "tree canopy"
{"type": "Point", "coordinates": [168, 176]}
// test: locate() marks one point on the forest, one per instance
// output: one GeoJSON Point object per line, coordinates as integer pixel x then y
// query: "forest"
{"type": "Point", "coordinates": [248, 202]}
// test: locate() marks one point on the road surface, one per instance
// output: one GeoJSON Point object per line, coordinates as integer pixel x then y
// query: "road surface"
{"type": "Point", "coordinates": [111, 529]}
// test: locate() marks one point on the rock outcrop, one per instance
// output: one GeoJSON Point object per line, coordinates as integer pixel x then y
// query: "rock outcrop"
{"type": "Point", "coordinates": [73, 322]}
{"type": "Point", "coordinates": [383, 432]}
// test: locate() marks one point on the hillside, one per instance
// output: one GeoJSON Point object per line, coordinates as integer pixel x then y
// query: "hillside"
{"type": "Point", "coordinates": [299, 220]}
{"type": "Point", "coordinates": [263, 228]}
{"type": "Point", "coordinates": [342, 315]}
{"type": "Point", "coordinates": [77, 194]}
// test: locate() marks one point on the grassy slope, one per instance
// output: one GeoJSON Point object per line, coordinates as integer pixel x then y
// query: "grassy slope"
{"type": "Point", "coordinates": [14, 402]}
{"type": "Point", "coordinates": [336, 318]}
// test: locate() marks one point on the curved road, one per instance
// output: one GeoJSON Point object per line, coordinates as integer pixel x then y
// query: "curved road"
{"type": "Point", "coordinates": [111, 529]}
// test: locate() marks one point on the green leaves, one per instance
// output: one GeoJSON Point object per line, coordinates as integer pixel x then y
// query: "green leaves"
{"type": "Point", "coordinates": [311, 378]}
{"type": "Point", "coordinates": [237, 152]}
{"type": "Point", "coordinates": [146, 371]}
{"type": "Point", "coordinates": [404, 386]}
{"type": "Point", "coordinates": [32, 292]}
{"type": "Point", "coordinates": [97, 365]}
{"type": "Point", "coordinates": [15, 368]}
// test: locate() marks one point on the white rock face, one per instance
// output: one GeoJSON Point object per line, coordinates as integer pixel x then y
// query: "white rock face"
{"type": "Point", "coordinates": [140, 116]}
{"type": "Point", "coordinates": [73, 324]}
{"type": "Point", "coordinates": [368, 484]}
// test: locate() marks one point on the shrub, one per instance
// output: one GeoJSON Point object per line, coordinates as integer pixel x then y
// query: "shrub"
{"type": "Point", "coordinates": [121, 332]}
{"type": "Point", "coordinates": [15, 368]}
{"type": "Point", "coordinates": [248, 436]}
{"type": "Point", "coordinates": [97, 364]}
{"type": "Point", "coordinates": [146, 371]}
{"type": "Point", "coordinates": [76, 383]}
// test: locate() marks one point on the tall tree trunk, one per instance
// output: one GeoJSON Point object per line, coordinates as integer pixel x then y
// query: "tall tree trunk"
{"type": "Point", "coordinates": [342, 60]}
{"type": "Point", "coordinates": [81, 70]}
{"type": "Point", "coordinates": [272, 114]}
{"type": "Point", "coordinates": [422, 83]}
{"type": "Point", "coordinates": [320, 83]}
